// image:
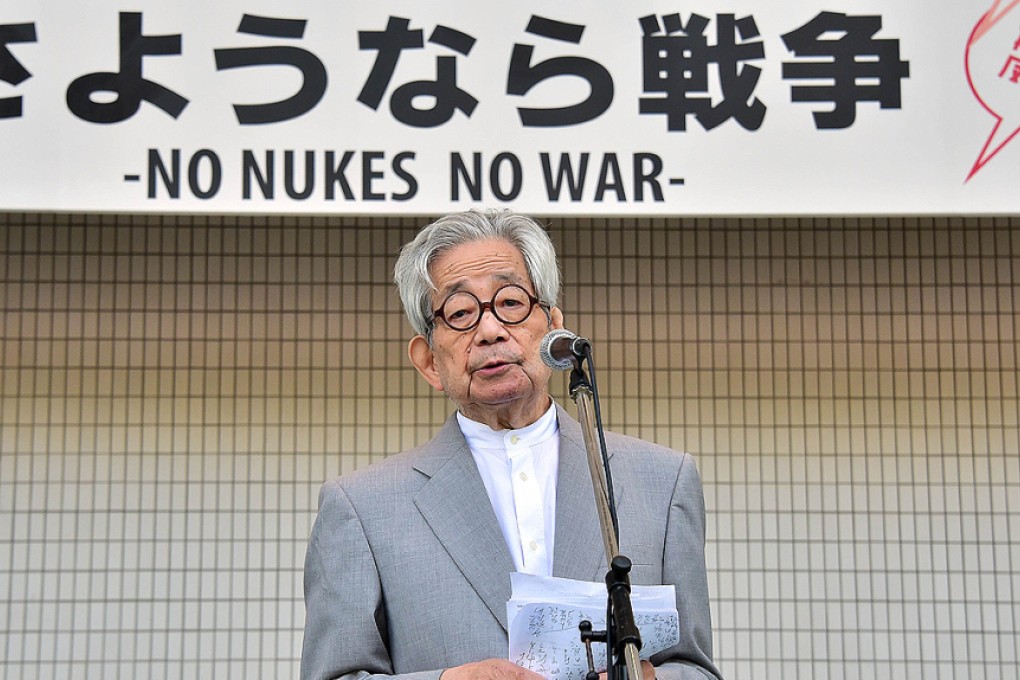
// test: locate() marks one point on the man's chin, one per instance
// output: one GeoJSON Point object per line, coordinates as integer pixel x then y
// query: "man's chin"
{"type": "Point", "coordinates": [500, 385]}
{"type": "Point", "coordinates": [497, 399]}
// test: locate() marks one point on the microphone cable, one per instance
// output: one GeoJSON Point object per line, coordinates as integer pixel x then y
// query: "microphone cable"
{"type": "Point", "coordinates": [578, 378]}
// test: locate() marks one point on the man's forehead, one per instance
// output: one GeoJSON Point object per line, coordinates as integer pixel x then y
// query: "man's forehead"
{"type": "Point", "coordinates": [496, 278]}
{"type": "Point", "coordinates": [478, 263]}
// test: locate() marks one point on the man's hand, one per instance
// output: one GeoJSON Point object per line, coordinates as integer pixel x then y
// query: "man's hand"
{"type": "Point", "coordinates": [647, 670]}
{"type": "Point", "coordinates": [490, 669]}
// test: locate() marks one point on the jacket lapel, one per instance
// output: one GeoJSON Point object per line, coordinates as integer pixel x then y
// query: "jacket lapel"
{"type": "Point", "coordinates": [456, 507]}
{"type": "Point", "coordinates": [579, 552]}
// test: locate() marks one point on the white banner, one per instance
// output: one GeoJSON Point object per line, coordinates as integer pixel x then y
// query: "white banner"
{"type": "Point", "coordinates": [728, 107]}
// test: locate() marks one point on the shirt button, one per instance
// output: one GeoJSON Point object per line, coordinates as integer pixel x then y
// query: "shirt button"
{"type": "Point", "coordinates": [524, 476]}
{"type": "Point", "coordinates": [514, 439]}
{"type": "Point", "coordinates": [533, 546]}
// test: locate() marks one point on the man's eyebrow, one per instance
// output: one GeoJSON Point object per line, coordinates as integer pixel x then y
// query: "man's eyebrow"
{"type": "Point", "coordinates": [508, 278]}
{"type": "Point", "coordinates": [455, 287]}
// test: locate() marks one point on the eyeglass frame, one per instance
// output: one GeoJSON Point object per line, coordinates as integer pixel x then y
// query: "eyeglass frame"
{"type": "Point", "coordinates": [482, 306]}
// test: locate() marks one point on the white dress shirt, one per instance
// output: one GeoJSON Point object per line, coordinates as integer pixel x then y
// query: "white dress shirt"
{"type": "Point", "coordinates": [518, 468]}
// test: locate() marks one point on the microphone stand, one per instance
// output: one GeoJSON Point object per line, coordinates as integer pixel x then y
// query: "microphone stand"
{"type": "Point", "coordinates": [621, 635]}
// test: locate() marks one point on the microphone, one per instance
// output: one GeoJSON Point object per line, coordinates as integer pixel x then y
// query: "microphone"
{"type": "Point", "coordinates": [562, 350]}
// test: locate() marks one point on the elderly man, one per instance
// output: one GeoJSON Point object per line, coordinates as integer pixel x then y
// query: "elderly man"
{"type": "Point", "coordinates": [409, 562]}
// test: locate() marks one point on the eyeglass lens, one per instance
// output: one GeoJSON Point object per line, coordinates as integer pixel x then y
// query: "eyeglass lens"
{"type": "Point", "coordinates": [511, 304]}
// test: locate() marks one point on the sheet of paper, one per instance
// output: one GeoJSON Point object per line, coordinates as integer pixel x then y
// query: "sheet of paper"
{"type": "Point", "coordinates": [543, 614]}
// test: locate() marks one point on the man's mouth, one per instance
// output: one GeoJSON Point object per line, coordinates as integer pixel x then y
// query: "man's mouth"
{"type": "Point", "coordinates": [494, 366]}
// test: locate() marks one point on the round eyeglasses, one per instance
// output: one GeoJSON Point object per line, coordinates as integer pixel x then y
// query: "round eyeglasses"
{"type": "Point", "coordinates": [511, 305]}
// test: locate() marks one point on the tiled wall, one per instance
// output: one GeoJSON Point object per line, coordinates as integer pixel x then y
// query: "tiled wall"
{"type": "Point", "coordinates": [174, 389]}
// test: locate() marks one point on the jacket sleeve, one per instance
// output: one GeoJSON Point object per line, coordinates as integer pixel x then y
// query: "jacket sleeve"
{"type": "Point", "coordinates": [345, 615]}
{"type": "Point", "coordinates": [684, 567]}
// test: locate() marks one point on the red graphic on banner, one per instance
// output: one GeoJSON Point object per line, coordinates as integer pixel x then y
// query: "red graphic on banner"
{"type": "Point", "coordinates": [993, 71]}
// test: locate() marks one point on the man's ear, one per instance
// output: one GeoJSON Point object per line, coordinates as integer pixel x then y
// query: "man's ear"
{"type": "Point", "coordinates": [555, 318]}
{"type": "Point", "coordinates": [424, 360]}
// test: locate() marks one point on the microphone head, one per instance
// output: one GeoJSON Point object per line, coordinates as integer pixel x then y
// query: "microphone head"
{"type": "Point", "coordinates": [565, 360]}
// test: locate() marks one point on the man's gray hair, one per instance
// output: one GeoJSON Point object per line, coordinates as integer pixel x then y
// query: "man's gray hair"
{"type": "Point", "coordinates": [414, 280]}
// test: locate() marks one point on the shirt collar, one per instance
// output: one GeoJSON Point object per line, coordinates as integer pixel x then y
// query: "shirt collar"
{"type": "Point", "coordinates": [480, 436]}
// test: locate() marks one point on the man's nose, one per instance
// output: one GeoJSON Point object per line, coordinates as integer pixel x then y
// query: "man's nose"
{"type": "Point", "coordinates": [490, 329]}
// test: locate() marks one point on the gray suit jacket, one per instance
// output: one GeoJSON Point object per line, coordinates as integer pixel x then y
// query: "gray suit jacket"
{"type": "Point", "coordinates": [407, 572]}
